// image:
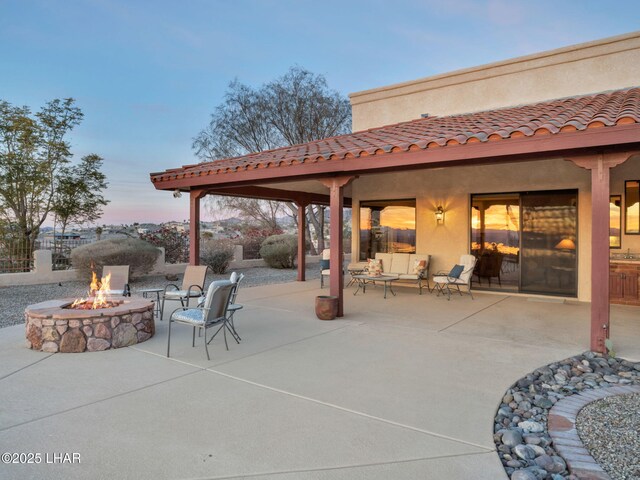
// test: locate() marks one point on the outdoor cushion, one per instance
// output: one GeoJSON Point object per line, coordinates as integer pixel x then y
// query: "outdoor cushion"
{"type": "Point", "coordinates": [407, 276]}
{"type": "Point", "coordinates": [446, 279]}
{"type": "Point", "coordinates": [419, 266]}
{"type": "Point", "coordinates": [324, 264]}
{"type": "Point", "coordinates": [192, 315]}
{"type": "Point", "coordinates": [386, 259]}
{"type": "Point", "coordinates": [375, 267]}
{"type": "Point", "coordinates": [399, 263]}
{"type": "Point", "coordinates": [456, 271]}
{"type": "Point", "coordinates": [183, 293]}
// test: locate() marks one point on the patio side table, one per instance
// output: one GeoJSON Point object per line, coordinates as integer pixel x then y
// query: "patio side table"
{"type": "Point", "coordinates": [148, 292]}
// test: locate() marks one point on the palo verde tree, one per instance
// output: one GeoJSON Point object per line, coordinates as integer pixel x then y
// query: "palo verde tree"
{"type": "Point", "coordinates": [34, 162]}
{"type": "Point", "coordinates": [298, 107]}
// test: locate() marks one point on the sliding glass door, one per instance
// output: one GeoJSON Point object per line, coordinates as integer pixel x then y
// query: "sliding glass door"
{"type": "Point", "coordinates": [526, 242]}
{"type": "Point", "coordinates": [549, 242]}
{"type": "Point", "coordinates": [495, 241]}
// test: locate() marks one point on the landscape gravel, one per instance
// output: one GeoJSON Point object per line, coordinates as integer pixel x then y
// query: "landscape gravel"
{"type": "Point", "coordinates": [520, 425]}
{"type": "Point", "coordinates": [610, 430]}
{"type": "Point", "coordinates": [14, 299]}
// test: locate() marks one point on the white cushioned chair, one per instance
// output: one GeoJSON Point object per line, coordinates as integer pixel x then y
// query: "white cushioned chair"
{"type": "Point", "coordinates": [444, 281]}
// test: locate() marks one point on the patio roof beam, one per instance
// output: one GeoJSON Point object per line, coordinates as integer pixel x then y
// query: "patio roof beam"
{"type": "Point", "coordinates": [265, 193]}
{"type": "Point", "coordinates": [302, 244]}
{"type": "Point", "coordinates": [505, 150]}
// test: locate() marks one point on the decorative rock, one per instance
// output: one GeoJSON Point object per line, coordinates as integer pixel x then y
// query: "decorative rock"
{"type": "Point", "coordinates": [143, 336]}
{"type": "Point", "coordinates": [61, 329]}
{"type": "Point", "coordinates": [147, 315]}
{"type": "Point", "coordinates": [50, 347]}
{"type": "Point", "coordinates": [136, 318]}
{"type": "Point", "coordinates": [97, 344]}
{"type": "Point", "coordinates": [50, 334]}
{"type": "Point", "coordinates": [559, 464]}
{"type": "Point", "coordinates": [115, 321]}
{"type": "Point", "coordinates": [88, 331]}
{"type": "Point", "coordinates": [525, 452]}
{"type": "Point", "coordinates": [511, 438]}
{"type": "Point", "coordinates": [610, 378]}
{"type": "Point", "coordinates": [34, 336]}
{"type": "Point", "coordinates": [538, 450]}
{"type": "Point", "coordinates": [87, 321]}
{"type": "Point", "coordinates": [531, 426]}
{"type": "Point", "coordinates": [514, 464]}
{"type": "Point", "coordinates": [102, 331]}
{"type": "Point", "coordinates": [543, 403]}
{"type": "Point", "coordinates": [532, 439]}
{"type": "Point", "coordinates": [74, 323]}
{"type": "Point", "coordinates": [523, 475]}
{"type": "Point", "coordinates": [73, 341]}
{"type": "Point", "coordinates": [124, 335]}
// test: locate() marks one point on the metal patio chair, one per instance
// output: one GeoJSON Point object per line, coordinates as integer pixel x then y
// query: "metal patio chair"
{"type": "Point", "coordinates": [212, 313]}
{"type": "Point", "coordinates": [233, 306]}
{"type": "Point", "coordinates": [444, 281]}
{"type": "Point", "coordinates": [192, 286]}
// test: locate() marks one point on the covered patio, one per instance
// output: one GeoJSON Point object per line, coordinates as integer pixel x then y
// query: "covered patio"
{"type": "Point", "coordinates": [572, 143]}
{"type": "Point", "coordinates": [400, 388]}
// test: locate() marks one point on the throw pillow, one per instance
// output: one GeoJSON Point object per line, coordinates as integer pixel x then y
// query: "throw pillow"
{"type": "Point", "coordinates": [456, 271]}
{"type": "Point", "coordinates": [375, 267]}
{"type": "Point", "coordinates": [419, 266]}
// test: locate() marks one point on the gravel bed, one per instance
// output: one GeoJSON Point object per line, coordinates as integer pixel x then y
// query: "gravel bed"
{"type": "Point", "coordinates": [520, 425]}
{"type": "Point", "coordinates": [610, 430]}
{"type": "Point", "coordinates": [14, 300]}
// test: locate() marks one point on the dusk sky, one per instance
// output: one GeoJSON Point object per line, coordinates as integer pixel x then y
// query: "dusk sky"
{"type": "Point", "coordinates": [148, 74]}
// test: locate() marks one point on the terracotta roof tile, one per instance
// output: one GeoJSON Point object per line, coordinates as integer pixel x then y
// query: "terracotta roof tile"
{"type": "Point", "coordinates": [607, 109]}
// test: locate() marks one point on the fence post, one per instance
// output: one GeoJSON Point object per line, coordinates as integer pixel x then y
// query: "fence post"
{"type": "Point", "coordinates": [238, 253]}
{"type": "Point", "coordinates": [42, 262]}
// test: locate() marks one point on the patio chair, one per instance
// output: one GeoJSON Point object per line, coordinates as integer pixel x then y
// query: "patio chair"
{"type": "Point", "coordinates": [233, 306]}
{"type": "Point", "coordinates": [325, 266]}
{"type": "Point", "coordinates": [192, 286]}
{"type": "Point", "coordinates": [458, 276]}
{"type": "Point", "coordinates": [212, 313]}
{"type": "Point", "coordinates": [119, 280]}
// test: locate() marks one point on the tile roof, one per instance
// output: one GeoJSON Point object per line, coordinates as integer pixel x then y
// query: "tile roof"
{"type": "Point", "coordinates": [620, 107]}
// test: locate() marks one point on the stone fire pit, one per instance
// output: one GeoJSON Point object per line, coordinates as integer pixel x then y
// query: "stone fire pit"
{"type": "Point", "coordinates": [51, 327]}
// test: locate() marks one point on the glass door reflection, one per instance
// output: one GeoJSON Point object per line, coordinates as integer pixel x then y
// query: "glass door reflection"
{"type": "Point", "coordinates": [495, 241]}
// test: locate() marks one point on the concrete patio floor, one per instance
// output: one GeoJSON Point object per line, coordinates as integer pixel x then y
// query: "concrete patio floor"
{"type": "Point", "coordinates": [401, 388]}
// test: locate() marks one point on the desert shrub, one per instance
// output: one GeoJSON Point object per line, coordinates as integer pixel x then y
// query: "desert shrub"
{"type": "Point", "coordinates": [216, 254]}
{"type": "Point", "coordinates": [279, 251]}
{"type": "Point", "coordinates": [252, 239]}
{"type": "Point", "coordinates": [138, 254]}
{"type": "Point", "coordinates": [175, 244]}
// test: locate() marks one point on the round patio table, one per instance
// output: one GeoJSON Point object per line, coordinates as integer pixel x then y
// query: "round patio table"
{"type": "Point", "coordinates": [365, 279]}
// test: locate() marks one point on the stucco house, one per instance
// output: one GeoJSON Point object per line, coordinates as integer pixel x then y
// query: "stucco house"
{"type": "Point", "coordinates": [534, 161]}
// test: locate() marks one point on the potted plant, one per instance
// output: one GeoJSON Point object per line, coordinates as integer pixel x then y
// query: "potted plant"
{"type": "Point", "coordinates": [326, 307]}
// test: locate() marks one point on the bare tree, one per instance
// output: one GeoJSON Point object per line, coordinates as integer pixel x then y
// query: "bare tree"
{"type": "Point", "coordinates": [298, 107]}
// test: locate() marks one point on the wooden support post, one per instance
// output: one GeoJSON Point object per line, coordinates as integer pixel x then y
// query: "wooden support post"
{"type": "Point", "coordinates": [336, 204]}
{"type": "Point", "coordinates": [302, 244]}
{"type": "Point", "coordinates": [600, 166]}
{"type": "Point", "coordinates": [194, 226]}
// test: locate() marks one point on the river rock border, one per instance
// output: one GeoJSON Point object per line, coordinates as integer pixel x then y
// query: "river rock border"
{"type": "Point", "coordinates": [521, 425]}
{"type": "Point", "coordinates": [52, 328]}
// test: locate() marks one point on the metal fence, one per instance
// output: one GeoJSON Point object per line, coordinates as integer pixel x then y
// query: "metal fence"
{"type": "Point", "coordinates": [17, 256]}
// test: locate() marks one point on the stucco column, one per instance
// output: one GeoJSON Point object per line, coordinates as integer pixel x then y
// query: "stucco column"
{"type": "Point", "coordinates": [302, 228]}
{"type": "Point", "coordinates": [336, 203]}
{"type": "Point", "coordinates": [194, 226]}
{"type": "Point", "coordinates": [600, 166]}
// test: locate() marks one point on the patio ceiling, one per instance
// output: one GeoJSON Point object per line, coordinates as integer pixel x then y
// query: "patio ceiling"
{"type": "Point", "coordinates": [604, 121]}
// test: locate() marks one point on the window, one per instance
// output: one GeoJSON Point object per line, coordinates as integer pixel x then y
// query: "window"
{"type": "Point", "coordinates": [387, 226]}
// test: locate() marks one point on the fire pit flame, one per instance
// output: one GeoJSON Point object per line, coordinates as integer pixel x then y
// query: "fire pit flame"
{"type": "Point", "coordinates": [98, 296]}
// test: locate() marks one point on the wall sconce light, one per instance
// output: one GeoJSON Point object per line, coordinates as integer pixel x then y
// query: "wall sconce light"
{"type": "Point", "coordinates": [439, 215]}
{"type": "Point", "coordinates": [177, 193]}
